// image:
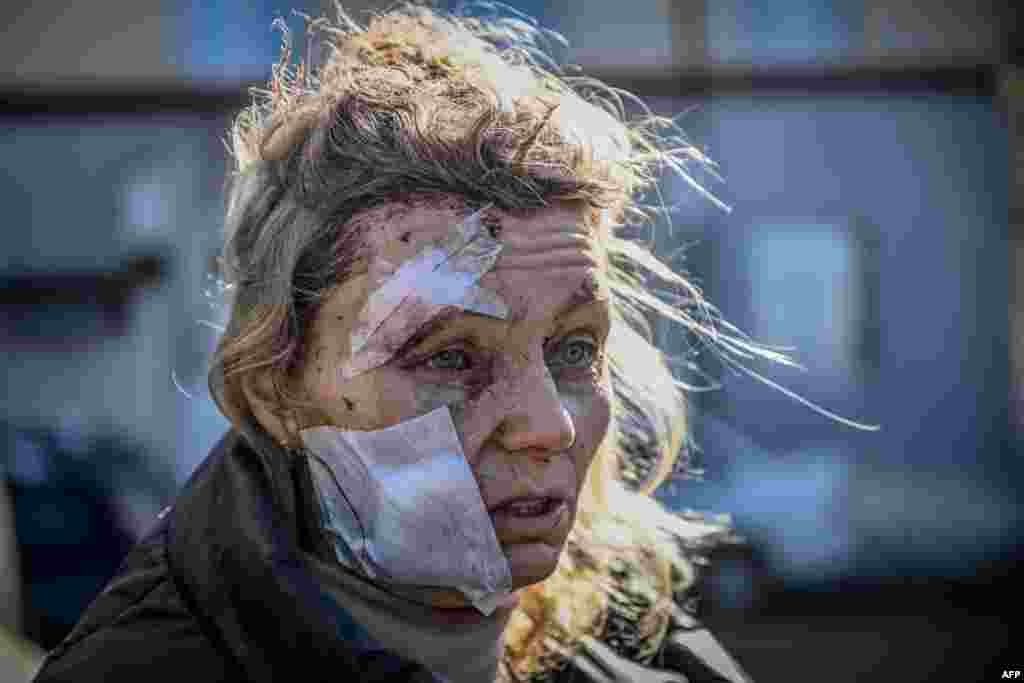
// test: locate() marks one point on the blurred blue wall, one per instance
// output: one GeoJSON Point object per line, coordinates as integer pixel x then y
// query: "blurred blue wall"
{"type": "Point", "coordinates": [871, 234]}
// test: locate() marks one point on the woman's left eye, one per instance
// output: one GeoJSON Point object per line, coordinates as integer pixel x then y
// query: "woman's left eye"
{"type": "Point", "coordinates": [449, 359]}
{"type": "Point", "coordinates": [577, 351]}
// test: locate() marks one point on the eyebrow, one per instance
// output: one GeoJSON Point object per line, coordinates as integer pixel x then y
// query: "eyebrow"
{"type": "Point", "coordinates": [431, 327]}
{"type": "Point", "coordinates": [586, 294]}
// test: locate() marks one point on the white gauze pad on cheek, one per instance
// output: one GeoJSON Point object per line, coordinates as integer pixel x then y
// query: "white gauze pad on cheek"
{"type": "Point", "coordinates": [405, 507]}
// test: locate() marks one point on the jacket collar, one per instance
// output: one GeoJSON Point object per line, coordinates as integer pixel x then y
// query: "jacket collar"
{"type": "Point", "coordinates": [234, 546]}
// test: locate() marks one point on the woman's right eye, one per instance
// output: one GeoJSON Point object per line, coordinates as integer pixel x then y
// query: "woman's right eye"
{"type": "Point", "coordinates": [450, 359]}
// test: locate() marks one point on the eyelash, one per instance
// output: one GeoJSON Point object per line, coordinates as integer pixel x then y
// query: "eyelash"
{"type": "Point", "coordinates": [593, 345]}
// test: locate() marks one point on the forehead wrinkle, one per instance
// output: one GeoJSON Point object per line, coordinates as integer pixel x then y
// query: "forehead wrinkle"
{"type": "Point", "coordinates": [588, 292]}
{"type": "Point", "coordinates": [542, 237]}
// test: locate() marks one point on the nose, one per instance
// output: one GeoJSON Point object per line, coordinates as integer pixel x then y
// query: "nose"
{"type": "Point", "coordinates": [535, 419]}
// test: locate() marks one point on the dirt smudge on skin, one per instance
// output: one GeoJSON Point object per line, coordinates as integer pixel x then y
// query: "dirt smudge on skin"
{"type": "Point", "coordinates": [493, 469]}
{"type": "Point", "coordinates": [394, 207]}
{"type": "Point", "coordinates": [430, 397]}
{"type": "Point", "coordinates": [492, 223]}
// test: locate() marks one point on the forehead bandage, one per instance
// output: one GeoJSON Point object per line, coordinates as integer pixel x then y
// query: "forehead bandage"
{"type": "Point", "coordinates": [440, 275]}
{"type": "Point", "coordinates": [403, 506]}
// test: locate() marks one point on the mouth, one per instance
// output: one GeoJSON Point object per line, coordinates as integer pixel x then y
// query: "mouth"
{"type": "Point", "coordinates": [524, 518]}
{"type": "Point", "coordinates": [527, 506]}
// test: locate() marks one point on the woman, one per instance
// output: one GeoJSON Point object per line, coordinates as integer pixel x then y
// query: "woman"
{"type": "Point", "coordinates": [436, 356]}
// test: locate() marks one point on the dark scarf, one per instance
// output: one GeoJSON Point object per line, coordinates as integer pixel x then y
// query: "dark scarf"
{"type": "Point", "coordinates": [246, 548]}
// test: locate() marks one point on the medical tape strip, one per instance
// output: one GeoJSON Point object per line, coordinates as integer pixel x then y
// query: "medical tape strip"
{"type": "Point", "coordinates": [406, 507]}
{"type": "Point", "coordinates": [439, 276]}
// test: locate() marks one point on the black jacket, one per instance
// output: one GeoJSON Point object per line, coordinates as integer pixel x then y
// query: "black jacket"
{"type": "Point", "coordinates": [218, 591]}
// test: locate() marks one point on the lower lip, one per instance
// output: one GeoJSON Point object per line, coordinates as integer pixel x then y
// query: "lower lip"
{"type": "Point", "coordinates": [545, 518]}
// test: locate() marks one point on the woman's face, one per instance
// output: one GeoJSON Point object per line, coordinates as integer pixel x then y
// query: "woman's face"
{"type": "Point", "coordinates": [528, 394]}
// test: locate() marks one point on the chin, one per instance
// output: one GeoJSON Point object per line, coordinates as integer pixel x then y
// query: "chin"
{"type": "Point", "coordinates": [531, 563]}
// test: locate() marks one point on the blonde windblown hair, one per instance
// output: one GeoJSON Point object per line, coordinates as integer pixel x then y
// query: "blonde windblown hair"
{"type": "Point", "coordinates": [424, 102]}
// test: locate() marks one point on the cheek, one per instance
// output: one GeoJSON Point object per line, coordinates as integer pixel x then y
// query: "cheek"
{"type": "Point", "coordinates": [372, 400]}
{"type": "Point", "coordinates": [430, 397]}
{"type": "Point", "coordinates": [588, 401]}
{"type": "Point", "coordinates": [589, 405]}
{"type": "Point", "coordinates": [490, 471]}
{"type": "Point", "coordinates": [332, 399]}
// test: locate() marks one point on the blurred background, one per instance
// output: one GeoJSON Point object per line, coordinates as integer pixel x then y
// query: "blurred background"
{"type": "Point", "coordinates": [873, 156]}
